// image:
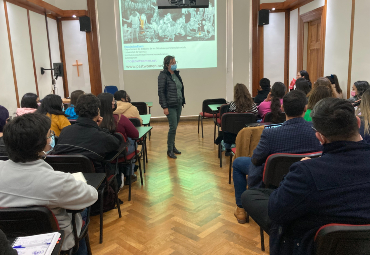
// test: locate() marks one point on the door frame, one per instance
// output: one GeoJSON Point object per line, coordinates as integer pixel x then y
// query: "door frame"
{"type": "Point", "coordinates": [319, 13]}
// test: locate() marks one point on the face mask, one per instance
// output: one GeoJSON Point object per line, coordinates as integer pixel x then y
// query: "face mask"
{"type": "Point", "coordinates": [174, 67]}
{"type": "Point", "coordinates": [353, 93]}
{"type": "Point", "coordinates": [52, 144]}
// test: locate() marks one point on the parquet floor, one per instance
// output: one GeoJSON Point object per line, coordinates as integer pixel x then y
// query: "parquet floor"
{"type": "Point", "coordinates": [184, 207]}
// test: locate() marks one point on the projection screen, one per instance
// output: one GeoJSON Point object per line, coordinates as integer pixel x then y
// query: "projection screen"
{"type": "Point", "coordinates": [149, 34]}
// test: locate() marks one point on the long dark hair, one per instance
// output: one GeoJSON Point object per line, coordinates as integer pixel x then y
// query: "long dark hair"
{"type": "Point", "coordinates": [361, 86]}
{"type": "Point", "coordinates": [277, 92]}
{"type": "Point", "coordinates": [334, 80]}
{"type": "Point", "coordinates": [106, 111]}
{"type": "Point", "coordinates": [75, 95]}
{"type": "Point", "coordinates": [242, 98]}
{"type": "Point", "coordinates": [51, 104]}
{"type": "Point", "coordinates": [29, 100]}
{"type": "Point", "coordinates": [305, 75]}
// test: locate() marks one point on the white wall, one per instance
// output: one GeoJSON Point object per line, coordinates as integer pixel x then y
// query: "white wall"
{"type": "Point", "coordinates": [293, 44]}
{"type": "Point", "coordinates": [7, 95]}
{"type": "Point", "coordinates": [18, 24]}
{"type": "Point", "coordinates": [274, 44]}
{"type": "Point", "coordinates": [337, 41]}
{"type": "Point", "coordinates": [75, 49]}
{"type": "Point", "coordinates": [55, 54]}
{"type": "Point", "coordinates": [361, 42]}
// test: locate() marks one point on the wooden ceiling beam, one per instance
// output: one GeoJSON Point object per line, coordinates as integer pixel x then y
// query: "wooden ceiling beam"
{"type": "Point", "coordinates": [286, 5]}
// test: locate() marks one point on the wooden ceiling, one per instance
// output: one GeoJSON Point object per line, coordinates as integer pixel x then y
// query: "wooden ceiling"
{"type": "Point", "coordinates": [286, 5]}
{"type": "Point", "coordinates": [43, 7]}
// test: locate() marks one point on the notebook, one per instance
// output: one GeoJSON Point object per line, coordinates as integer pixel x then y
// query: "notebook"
{"type": "Point", "coordinates": [43, 244]}
{"type": "Point", "coordinates": [79, 177]}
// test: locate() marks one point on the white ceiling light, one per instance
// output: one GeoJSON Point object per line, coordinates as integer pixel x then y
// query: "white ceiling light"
{"type": "Point", "coordinates": [273, 9]}
{"type": "Point", "coordinates": [74, 16]}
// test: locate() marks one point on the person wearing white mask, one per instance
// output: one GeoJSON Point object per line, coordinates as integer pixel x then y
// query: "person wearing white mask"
{"type": "Point", "coordinates": [27, 180]}
{"type": "Point", "coordinates": [172, 99]}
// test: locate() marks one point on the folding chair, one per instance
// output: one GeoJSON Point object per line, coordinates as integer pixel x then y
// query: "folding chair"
{"type": "Point", "coordinates": [110, 89]}
{"type": "Point", "coordinates": [342, 239]}
{"type": "Point", "coordinates": [141, 106]}
{"type": "Point", "coordinates": [206, 112]}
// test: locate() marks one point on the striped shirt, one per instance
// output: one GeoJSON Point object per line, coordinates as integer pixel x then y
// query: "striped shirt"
{"type": "Point", "coordinates": [253, 109]}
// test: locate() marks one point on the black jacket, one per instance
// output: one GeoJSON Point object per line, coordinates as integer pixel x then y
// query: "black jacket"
{"type": "Point", "coordinates": [86, 138]}
{"type": "Point", "coordinates": [167, 90]}
{"type": "Point", "coordinates": [261, 96]}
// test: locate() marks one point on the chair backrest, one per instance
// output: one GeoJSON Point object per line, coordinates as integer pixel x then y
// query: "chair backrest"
{"type": "Point", "coordinates": [110, 89]}
{"type": "Point", "coordinates": [4, 158]}
{"type": "Point", "coordinates": [70, 163]}
{"type": "Point", "coordinates": [224, 109]}
{"type": "Point", "coordinates": [141, 106]}
{"type": "Point", "coordinates": [268, 117]}
{"type": "Point", "coordinates": [135, 121]}
{"type": "Point", "coordinates": [342, 239]}
{"type": "Point", "coordinates": [234, 122]}
{"type": "Point", "coordinates": [277, 165]}
{"type": "Point", "coordinates": [207, 102]}
{"type": "Point", "coordinates": [26, 221]}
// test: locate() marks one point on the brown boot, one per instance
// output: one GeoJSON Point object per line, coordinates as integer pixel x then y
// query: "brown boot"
{"type": "Point", "coordinates": [240, 215]}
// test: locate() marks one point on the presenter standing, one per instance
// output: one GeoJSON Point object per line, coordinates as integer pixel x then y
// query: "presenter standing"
{"type": "Point", "coordinates": [171, 99]}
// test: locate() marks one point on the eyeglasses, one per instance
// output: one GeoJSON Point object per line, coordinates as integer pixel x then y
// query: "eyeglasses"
{"type": "Point", "coordinates": [51, 134]}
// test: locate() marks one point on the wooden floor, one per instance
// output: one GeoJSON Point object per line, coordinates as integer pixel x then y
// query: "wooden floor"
{"type": "Point", "coordinates": [184, 207]}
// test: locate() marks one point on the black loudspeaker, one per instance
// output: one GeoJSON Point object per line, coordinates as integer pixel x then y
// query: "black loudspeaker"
{"type": "Point", "coordinates": [85, 24]}
{"type": "Point", "coordinates": [263, 17]}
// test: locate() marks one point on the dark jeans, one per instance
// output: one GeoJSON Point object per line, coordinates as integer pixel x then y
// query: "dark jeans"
{"type": "Point", "coordinates": [240, 172]}
{"type": "Point", "coordinates": [255, 203]}
{"type": "Point", "coordinates": [173, 120]}
{"type": "Point", "coordinates": [82, 249]}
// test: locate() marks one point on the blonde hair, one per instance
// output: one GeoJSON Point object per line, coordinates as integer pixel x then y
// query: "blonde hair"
{"type": "Point", "coordinates": [365, 110]}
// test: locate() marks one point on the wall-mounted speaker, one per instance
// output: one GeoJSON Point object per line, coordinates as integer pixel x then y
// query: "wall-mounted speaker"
{"type": "Point", "coordinates": [263, 17]}
{"type": "Point", "coordinates": [85, 23]}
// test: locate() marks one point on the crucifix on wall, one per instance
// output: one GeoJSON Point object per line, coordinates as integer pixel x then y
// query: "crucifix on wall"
{"type": "Point", "coordinates": [78, 64]}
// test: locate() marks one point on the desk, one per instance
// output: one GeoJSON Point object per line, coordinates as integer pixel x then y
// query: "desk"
{"type": "Point", "coordinates": [58, 246]}
{"type": "Point", "coordinates": [150, 105]}
{"type": "Point", "coordinates": [214, 107]}
{"type": "Point", "coordinates": [94, 179]}
{"type": "Point", "coordinates": [146, 119]}
{"type": "Point", "coordinates": [142, 134]}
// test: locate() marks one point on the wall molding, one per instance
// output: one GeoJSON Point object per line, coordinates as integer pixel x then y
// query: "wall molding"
{"type": "Point", "coordinates": [349, 82]}
{"type": "Point", "coordinates": [62, 57]}
{"type": "Point", "coordinates": [287, 49]}
{"type": "Point", "coordinates": [32, 52]}
{"type": "Point", "coordinates": [255, 47]}
{"type": "Point", "coordinates": [286, 5]}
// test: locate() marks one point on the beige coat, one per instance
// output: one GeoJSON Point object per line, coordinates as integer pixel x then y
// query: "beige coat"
{"type": "Point", "coordinates": [128, 110]}
{"type": "Point", "coordinates": [247, 140]}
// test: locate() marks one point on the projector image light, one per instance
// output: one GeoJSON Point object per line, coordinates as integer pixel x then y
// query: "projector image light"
{"type": "Point", "coordinates": [175, 4]}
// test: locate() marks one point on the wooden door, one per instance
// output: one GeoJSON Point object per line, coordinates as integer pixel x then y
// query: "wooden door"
{"type": "Point", "coordinates": [314, 65]}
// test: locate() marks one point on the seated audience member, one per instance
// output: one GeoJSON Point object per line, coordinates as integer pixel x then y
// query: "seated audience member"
{"type": "Point", "coordinates": [117, 123]}
{"type": "Point", "coordinates": [364, 110]}
{"type": "Point", "coordinates": [358, 88]}
{"type": "Point", "coordinates": [317, 94]}
{"type": "Point", "coordinates": [333, 188]}
{"type": "Point", "coordinates": [70, 112]}
{"type": "Point", "coordinates": [124, 106]}
{"type": "Point", "coordinates": [29, 104]}
{"type": "Point", "coordinates": [5, 245]}
{"type": "Point", "coordinates": [303, 85]}
{"type": "Point", "coordinates": [273, 102]}
{"type": "Point", "coordinates": [294, 136]}
{"type": "Point", "coordinates": [52, 106]}
{"type": "Point", "coordinates": [4, 116]}
{"type": "Point", "coordinates": [27, 180]}
{"type": "Point", "coordinates": [335, 84]}
{"type": "Point", "coordinates": [304, 74]}
{"type": "Point", "coordinates": [242, 100]}
{"type": "Point", "coordinates": [86, 137]}
{"type": "Point", "coordinates": [323, 81]}
{"type": "Point", "coordinates": [263, 90]}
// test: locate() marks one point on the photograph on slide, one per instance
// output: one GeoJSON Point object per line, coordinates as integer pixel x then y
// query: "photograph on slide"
{"type": "Point", "coordinates": [143, 22]}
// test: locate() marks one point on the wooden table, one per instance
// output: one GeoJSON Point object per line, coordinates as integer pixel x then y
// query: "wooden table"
{"type": "Point", "coordinates": [58, 246]}
{"type": "Point", "coordinates": [94, 179]}
{"type": "Point", "coordinates": [142, 134]}
{"type": "Point", "coordinates": [150, 105]}
{"type": "Point", "coordinates": [146, 119]}
{"type": "Point", "coordinates": [215, 107]}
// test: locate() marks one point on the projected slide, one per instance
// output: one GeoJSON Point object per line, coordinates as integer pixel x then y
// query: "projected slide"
{"type": "Point", "coordinates": [149, 34]}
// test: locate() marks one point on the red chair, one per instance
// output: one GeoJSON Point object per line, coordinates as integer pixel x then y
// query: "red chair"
{"type": "Point", "coordinates": [342, 239]}
{"type": "Point", "coordinates": [206, 112]}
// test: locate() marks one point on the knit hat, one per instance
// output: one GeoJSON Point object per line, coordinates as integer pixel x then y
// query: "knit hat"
{"type": "Point", "coordinates": [4, 115]}
{"type": "Point", "coordinates": [265, 83]}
